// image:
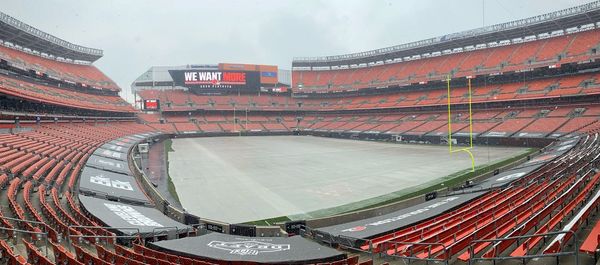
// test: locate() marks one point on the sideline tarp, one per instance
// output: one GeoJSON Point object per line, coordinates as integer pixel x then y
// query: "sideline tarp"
{"type": "Point", "coordinates": [371, 227]}
{"type": "Point", "coordinates": [146, 220]}
{"type": "Point", "coordinates": [506, 177]}
{"type": "Point", "coordinates": [223, 247]}
{"type": "Point", "coordinates": [557, 150]}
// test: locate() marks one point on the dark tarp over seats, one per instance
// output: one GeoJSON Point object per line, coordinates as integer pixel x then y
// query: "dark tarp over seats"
{"type": "Point", "coordinates": [110, 185]}
{"type": "Point", "coordinates": [374, 226]}
{"type": "Point", "coordinates": [147, 220]}
{"type": "Point", "coordinates": [223, 247]}
{"type": "Point", "coordinates": [108, 164]}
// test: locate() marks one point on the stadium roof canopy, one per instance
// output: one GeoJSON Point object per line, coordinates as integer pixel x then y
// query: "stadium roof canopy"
{"type": "Point", "coordinates": [570, 18]}
{"type": "Point", "coordinates": [21, 34]}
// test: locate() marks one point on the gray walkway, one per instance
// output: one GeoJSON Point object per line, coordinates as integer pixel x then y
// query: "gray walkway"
{"type": "Point", "coordinates": [240, 179]}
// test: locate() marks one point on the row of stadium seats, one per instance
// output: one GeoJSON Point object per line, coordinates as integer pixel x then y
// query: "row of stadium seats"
{"type": "Point", "coordinates": [76, 73]}
{"type": "Point", "coordinates": [542, 121]}
{"type": "Point", "coordinates": [585, 84]}
{"type": "Point", "coordinates": [544, 52]}
{"type": "Point", "coordinates": [62, 97]}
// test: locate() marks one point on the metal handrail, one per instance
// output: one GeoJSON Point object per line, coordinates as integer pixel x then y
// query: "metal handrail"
{"type": "Point", "coordinates": [135, 235]}
{"type": "Point", "coordinates": [44, 233]}
{"type": "Point", "coordinates": [411, 258]}
{"type": "Point", "coordinates": [4, 18]}
{"type": "Point", "coordinates": [575, 252]}
{"type": "Point", "coordinates": [166, 230]}
{"type": "Point", "coordinates": [345, 242]}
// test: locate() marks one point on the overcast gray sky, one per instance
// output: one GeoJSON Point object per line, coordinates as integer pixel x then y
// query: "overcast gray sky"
{"type": "Point", "coordinates": [137, 34]}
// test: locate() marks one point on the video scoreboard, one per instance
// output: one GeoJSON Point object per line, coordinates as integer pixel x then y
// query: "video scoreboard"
{"type": "Point", "coordinates": [216, 80]}
{"type": "Point", "coordinates": [151, 104]}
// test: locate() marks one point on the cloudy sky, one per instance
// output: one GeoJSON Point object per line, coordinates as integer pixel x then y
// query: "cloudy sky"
{"type": "Point", "coordinates": [137, 34]}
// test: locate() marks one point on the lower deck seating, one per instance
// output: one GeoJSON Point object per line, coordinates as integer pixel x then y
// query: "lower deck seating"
{"type": "Point", "coordinates": [410, 123]}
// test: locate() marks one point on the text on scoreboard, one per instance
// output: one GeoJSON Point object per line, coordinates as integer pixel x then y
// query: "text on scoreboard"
{"type": "Point", "coordinates": [216, 79]}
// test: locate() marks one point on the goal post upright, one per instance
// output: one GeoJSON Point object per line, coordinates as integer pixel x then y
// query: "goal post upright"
{"type": "Point", "coordinates": [466, 149]}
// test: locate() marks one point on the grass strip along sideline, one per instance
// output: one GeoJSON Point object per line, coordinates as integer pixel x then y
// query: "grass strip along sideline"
{"type": "Point", "coordinates": [171, 187]}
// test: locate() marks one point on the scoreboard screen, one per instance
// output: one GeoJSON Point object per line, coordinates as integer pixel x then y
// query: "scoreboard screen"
{"type": "Point", "coordinates": [151, 104]}
{"type": "Point", "coordinates": [216, 80]}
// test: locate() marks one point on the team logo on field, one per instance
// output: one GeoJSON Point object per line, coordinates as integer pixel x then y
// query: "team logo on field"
{"type": "Point", "coordinates": [248, 247]}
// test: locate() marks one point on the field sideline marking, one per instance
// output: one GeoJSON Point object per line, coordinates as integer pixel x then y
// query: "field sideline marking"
{"type": "Point", "coordinates": [466, 149]}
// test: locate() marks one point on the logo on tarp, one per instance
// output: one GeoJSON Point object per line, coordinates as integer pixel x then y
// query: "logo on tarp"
{"type": "Point", "coordinates": [541, 158]}
{"type": "Point", "coordinates": [567, 142]}
{"type": "Point", "coordinates": [116, 148]}
{"type": "Point", "coordinates": [119, 143]}
{"type": "Point", "coordinates": [110, 163]}
{"type": "Point", "coordinates": [356, 229]}
{"type": "Point", "coordinates": [106, 181]}
{"type": "Point", "coordinates": [131, 216]}
{"type": "Point", "coordinates": [563, 148]}
{"type": "Point", "coordinates": [109, 153]}
{"type": "Point", "coordinates": [248, 247]}
{"type": "Point", "coordinates": [400, 217]}
{"type": "Point", "coordinates": [511, 176]}
{"type": "Point", "coordinates": [496, 134]}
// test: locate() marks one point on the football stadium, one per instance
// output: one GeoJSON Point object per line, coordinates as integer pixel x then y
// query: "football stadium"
{"type": "Point", "coordinates": [472, 147]}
